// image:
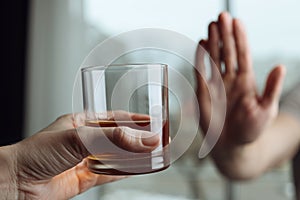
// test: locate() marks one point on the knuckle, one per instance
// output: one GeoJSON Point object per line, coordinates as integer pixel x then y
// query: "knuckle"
{"type": "Point", "coordinates": [65, 116]}
{"type": "Point", "coordinates": [119, 135]}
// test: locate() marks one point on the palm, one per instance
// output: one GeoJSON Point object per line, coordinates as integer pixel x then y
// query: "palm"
{"type": "Point", "coordinates": [247, 112]}
{"type": "Point", "coordinates": [78, 180]}
{"type": "Point", "coordinates": [245, 109]}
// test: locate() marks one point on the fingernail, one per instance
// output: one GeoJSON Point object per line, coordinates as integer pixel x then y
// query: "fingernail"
{"type": "Point", "coordinates": [150, 140]}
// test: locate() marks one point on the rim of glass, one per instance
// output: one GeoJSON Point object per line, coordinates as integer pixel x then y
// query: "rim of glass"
{"type": "Point", "coordinates": [125, 66]}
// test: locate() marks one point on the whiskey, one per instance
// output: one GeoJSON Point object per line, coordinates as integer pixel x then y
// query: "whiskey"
{"type": "Point", "coordinates": [131, 163]}
{"type": "Point", "coordinates": [138, 124]}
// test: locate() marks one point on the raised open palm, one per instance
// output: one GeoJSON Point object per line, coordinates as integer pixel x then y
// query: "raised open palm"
{"type": "Point", "coordinates": [247, 112]}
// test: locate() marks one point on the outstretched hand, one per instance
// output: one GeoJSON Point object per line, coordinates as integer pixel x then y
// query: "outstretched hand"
{"type": "Point", "coordinates": [248, 113]}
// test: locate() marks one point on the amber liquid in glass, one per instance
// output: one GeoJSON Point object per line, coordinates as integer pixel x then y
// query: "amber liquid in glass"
{"type": "Point", "coordinates": [131, 163]}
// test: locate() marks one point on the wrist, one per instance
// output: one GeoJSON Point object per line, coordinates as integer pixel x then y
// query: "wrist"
{"type": "Point", "coordinates": [237, 161]}
{"type": "Point", "coordinates": [8, 178]}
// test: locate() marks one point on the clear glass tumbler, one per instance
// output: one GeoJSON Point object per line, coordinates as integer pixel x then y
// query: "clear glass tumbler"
{"type": "Point", "coordinates": [128, 95]}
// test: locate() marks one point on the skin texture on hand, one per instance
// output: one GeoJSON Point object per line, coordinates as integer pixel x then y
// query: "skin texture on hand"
{"type": "Point", "coordinates": [246, 109]}
{"type": "Point", "coordinates": [251, 141]}
{"type": "Point", "coordinates": [51, 164]}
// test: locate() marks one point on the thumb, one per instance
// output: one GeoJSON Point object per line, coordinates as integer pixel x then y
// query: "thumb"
{"type": "Point", "coordinates": [49, 153]}
{"type": "Point", "coordinates": [274, 85]}
{"type": "Point", "coordinates": [117, 140]}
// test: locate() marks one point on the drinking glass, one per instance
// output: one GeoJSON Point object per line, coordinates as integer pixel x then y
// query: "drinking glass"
{"type": "Point", "coordinates": [134, 96]}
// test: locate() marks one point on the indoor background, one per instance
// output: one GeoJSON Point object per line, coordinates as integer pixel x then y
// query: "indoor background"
{"type": "Point", "coordinates": [58, 34]}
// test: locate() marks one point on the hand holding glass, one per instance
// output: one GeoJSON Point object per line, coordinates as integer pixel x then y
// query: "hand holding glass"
{"type": "Point", "coordinates": [131, 97]}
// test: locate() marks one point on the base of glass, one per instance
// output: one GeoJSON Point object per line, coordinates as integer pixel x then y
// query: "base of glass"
{"type": "Point", "coordinates": [127, 165]}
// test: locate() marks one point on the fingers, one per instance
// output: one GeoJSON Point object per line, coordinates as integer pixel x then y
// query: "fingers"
{"type": "Point", "coordinates": [69, 121]}
{"type": "Point", "coordinates": [214, 44]}
{"type": "Point", "coordinates": [211, 46]}
{"type": "Point", "coordinates": [242, 47]}
{"type": "Point", "coordinates": [200, 54]}
{"type": "Point", "coordinates": [122, 115]}
{"type": "Point", "coordinates": [90, 179]}
{"type": "Point", "coordinates": [274, 85]}
{"type": "Point", "coordinates": [228, 42]}
{"type": "Point", "coordinates": [200, 67]}
{"type": "Point", "coordinates": [119, 140]}
{"type": "Point", "coordinates": [134, 140]}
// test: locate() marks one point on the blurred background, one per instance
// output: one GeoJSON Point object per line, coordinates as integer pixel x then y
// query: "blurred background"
{"type": "Point", "coordinates": [44, 43]}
